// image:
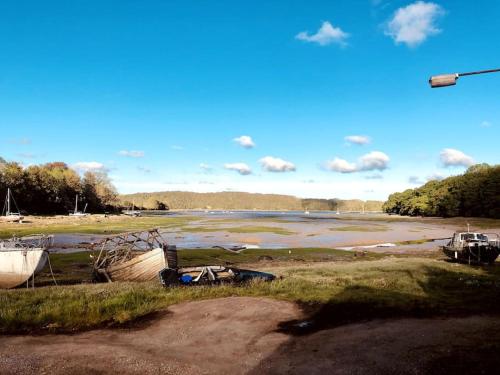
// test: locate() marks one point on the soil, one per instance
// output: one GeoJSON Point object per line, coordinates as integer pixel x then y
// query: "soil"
{"type": "Point", "coordinates": [240, 335]}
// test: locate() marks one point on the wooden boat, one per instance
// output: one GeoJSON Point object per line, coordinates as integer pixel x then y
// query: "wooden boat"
{"type": "Point", "coordinates": [8, 215]}
{"type": "Point", "coordinates": [473, 247]}
{"type": "Point", "coordinates": [21, 259]}
{"type": "Point", "coordinates": [134, 256]}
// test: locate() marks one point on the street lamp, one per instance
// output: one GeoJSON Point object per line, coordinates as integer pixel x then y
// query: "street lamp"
{"type": "Point", "coordinates": [451, 79]}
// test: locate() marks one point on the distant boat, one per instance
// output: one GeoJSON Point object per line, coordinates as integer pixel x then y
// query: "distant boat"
{"type": "Point", "coordinates": [10, 216]}
{"type": "Point", "coordinates": [306, 212]}
{"type": "Point", "coordinates": [338, 212]}
{"type": "Point", "coordinates": [21, 259]}
{"type": "Point", "coordinates": [131, 211]}
{"type": "Point", "coordinates": [76, 212]}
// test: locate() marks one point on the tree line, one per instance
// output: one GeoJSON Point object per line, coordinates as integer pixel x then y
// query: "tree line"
{"type": "Point", "coordinates": [474, 193]}
{"type": "Point", "coordinates": [182, 200]}
{"type": "Point", "coordinates": [51, 188]}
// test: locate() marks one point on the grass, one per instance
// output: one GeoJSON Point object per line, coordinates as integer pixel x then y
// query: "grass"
{"type": "Point", "coordinates": [101, 225]}
{"type": "Point", "coordinates": [242, 229]}
{"type": "Point", "coordinates": [330, 292]}
{"type": "Point", "coordinates": [359, 228]}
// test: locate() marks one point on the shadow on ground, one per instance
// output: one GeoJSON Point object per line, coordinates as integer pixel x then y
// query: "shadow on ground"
{"type": "Point", "coordinates": [453, 326]}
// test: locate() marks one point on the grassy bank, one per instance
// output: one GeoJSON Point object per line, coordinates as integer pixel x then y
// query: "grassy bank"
{"type": "Point", "coordinates": [329, 292]}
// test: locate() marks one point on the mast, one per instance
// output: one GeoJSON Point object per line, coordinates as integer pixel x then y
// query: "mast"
{"type": "Point", "coordinates": [76, 204]}
{"type": "Point", "coordinates": [8, 202]}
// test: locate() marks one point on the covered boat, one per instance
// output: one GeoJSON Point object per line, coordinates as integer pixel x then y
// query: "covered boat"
{"type": "Point", "coordinates": [134, 256]}
{"type": "Point", "coordinates": [473, 247]}
{"type": "Point", "coordinates": [21, 259]}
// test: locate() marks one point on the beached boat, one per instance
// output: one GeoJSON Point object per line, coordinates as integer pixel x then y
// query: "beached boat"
{"type": "Point", "coordinates": [132, 211]}
{"type": "Point", "coordinates": [135, 256]}
{"type": "Point", "coordinates": [7, 214]}
{"type": "Point", "coordinates": [76, 212]}
{"type": "Point", "coordinates": [473, 247]}
{"type": "Point", "coordinates": [21, 259]}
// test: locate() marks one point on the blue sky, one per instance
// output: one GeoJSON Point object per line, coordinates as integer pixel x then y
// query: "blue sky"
{"type": "Point", "coordinates": [159, 93]}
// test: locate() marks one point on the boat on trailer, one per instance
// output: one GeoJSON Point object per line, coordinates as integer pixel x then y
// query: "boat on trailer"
{"type": "Point", "coordinates": [22, 258]}
{"type": "Point", "coordinates": [7, 214]}
{"type": "Point", "coordinates": [473, 247]}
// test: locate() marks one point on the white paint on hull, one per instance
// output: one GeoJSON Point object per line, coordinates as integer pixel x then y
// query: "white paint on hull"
{"type": "Point", "coordinates": [18, 265]}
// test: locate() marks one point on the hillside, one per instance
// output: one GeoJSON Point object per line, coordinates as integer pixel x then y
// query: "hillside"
{"type": "Point", "coordinates": [241, 201]}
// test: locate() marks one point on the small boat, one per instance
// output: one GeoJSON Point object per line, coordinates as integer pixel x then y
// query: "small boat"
{"type": "Point", "coordinates": [22, 258]}
{"type": "Point", "coordinates": [7, 214]}
{"type": "Point", "coordinates": [133, 256]}
{"type": "Point", "coordinates": [76, 212]}
{"type": "Point", "coordinates": [306, 212]}
{"type": "Point", "coordinates": [206, 275]}
{"type": "Point", "coordinates": [132, 211]}
{"type": "Point", "coordinates": [473, 247]}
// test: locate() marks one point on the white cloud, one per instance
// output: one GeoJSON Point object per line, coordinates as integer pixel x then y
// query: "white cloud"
{"type": "Point", "coordinates": [272, 164]}
{"type": "Point", "coordinates": [132, 153]}
{"type": "Point", "coordinates": [143, 169]}
{"type": "Point", "coordinates": [205, 167]}
{"type": "Point", "coordinates": [435, 176]}
{"type": "Point", "coordinates": [486, 124]}
{"type": "Point", "coordinates": [89, 166]}
{"type": "Point", "coordinates": [376, 176]}
{"type": "Point", "coordinates": [415, 180]}
{"type": "Point", "coordinates": [414, 23]}
{"type": "Point", "coordinates": [241, 168]}
{"type": "Point", "coordinates": [20, 141]}
{"type": "Point", "coordinates": [26, 155]}
{"type": "Point", "coordinates": [358, 139]}
{"type": "Point", "coordinates": [341, 165]}
{"type": "Point", "coordinates": [245, 141]}
{"type": "Point", "coordinates": [455, 158]}
{"type": "Point", "coordinates": [375, 160]}
{"type": "Point", "coordinates": [326, 34]}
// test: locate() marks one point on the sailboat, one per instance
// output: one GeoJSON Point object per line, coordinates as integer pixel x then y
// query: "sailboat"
{"type": "Point", "coordinates": [76, 212]}
{"type": "Point", "coordinates": [7, 213]}
{"type": "Point", "coordinates": [21, 258]}
{"type": "Point", "coordinates": [131, 211]}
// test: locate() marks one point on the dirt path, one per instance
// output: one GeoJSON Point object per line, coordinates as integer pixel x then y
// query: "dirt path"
{"type": "Point", "coordinates": [238, 335]}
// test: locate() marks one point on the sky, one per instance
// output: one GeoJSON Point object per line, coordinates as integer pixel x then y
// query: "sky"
{"type": "Point", "coordinates": [324, 99]}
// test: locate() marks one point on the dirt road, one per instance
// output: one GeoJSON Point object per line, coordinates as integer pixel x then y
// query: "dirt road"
{"type": "Point", "coordinates": [239, 335]}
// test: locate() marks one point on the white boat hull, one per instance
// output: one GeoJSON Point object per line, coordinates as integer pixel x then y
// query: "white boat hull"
{"type": "Point", "coordinates": [18, 265]}
{"type": "Point", "coordinates": [144, 267]}
{"type": "Point", "coordinates": [11, 218]}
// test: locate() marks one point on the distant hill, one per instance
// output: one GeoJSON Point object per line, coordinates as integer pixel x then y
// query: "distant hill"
{"type": "Point", "coordinates": [241, 201]}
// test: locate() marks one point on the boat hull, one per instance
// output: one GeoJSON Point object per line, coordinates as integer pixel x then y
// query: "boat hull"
{"type": "Point", "coordinates": [144, 267]}
{"type": "Point", "coordinates": [472, 254]}
{"type": "Point", "coordinates": [11, 218]}
{"type": "Point", "coordinates": [18, 265]}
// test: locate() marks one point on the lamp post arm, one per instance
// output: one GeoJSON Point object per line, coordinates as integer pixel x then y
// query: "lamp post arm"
{"type": "Point", "coordinates": [479, 72]}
